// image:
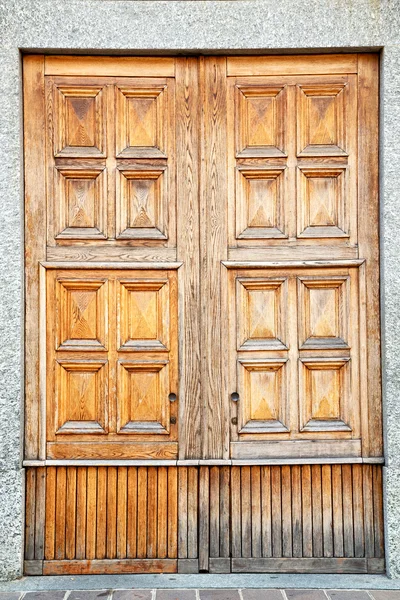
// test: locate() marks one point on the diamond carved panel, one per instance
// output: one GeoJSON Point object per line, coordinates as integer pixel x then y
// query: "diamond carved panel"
{"type": "Point", "coordinates": [81, 204]}
{"type": "Point", "coordinates": [322, 203]}
{"type": "Point", "coordinates": [142, 204]}
{"type": "Point", "coordinates": [143, 314]}
{"type": "Point", "coordinates": [263, 394]}
{"type": "Point", "coordinates": [323, 312]}
{"type": "Point", "coordinates": [324, 394]}
{"type": "Point", "coordinates": [142, 397]}
{"type": "Point", "coordinates": [79, 124]}
{"type": "Point", "coordinates": [260, 120]}
{"type": "Point", "coordinates": [260, 203]}
{"type": "Point", "coordinates": [142, 121]}
{"type": "Point", "coordinates": [81, 397]}
{"type": "Point", "coordinates": [321, 120]}
{"type": "Point", "coordinates": [82, 314]}
{"type": "Point", "coordinates": [261, 313]}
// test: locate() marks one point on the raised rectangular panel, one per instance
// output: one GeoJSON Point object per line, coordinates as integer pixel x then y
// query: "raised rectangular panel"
{"type": "Point", "coordinates": [143, 314]}
{"type": "Point", "coordinates": [263, 395]}
{"type": "Point", "coordinates": [321, 115]}
{"type": "Point", "coordinates": [142, 204]}
{"type": "Point", "coordinates": [81, 203]}
{"type": "Point", "coordinates": [81, 396]}
{"type": "Point", "coordinates": [323, 312]}
{"type": "Point", "coordinates": [323, 208]}
{"type": "Point", "coordinates": [261, 313]}
{"type": "Point", "coordinates": [324, 389]}
{"type": "Point", "coordinates": [260, 203]}
{"type": "Point", "coordinates": [142, 121]}
{"type": "Point", "coordinates": [79, 121]}
{"type": "Point", "coordinates": [142, 397]}
{"type": "Point", "coordinates": [82, 314]}
{"type": "Point", "coordinates": [260, 120]}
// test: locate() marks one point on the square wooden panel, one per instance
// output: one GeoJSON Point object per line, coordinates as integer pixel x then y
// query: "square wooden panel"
{"type": "Point", "coordinates": [82, 314]}
{"type": "Point", "coordinates": [142, 121]}
{"type": "Point", "coordinates": [323, 312]}
{"type": "Point", "coordinates": [261, 313]}
{"type": "Point", "coordinates": [142, 397]}
{"type": "Point", "coordinates": [321, 120]}
{"type": "Point", "coordinates": [142, 204]}
{"type": "Point", "coordinates": [325, 396]}
{"type": "Point", "coordinates": [81, 397]}
{"type": "Point", "coordinates": [79, 121]}
{"type": "Point", "coordinates": [143, 314]}
{"type": "Point", "coordinates": [263, 395]}
{"type": "Point", "coordinates": [80, 209]}
{"type": "Point", "coordinates": [323, 203]}
{"type": "Point", "coordinates": [260, 120]}
{"type": "Point", "coordinates": [260, 203]}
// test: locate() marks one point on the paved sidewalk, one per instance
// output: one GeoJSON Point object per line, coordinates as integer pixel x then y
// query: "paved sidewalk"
{"type": "Point", "coordinates": [245, 594]}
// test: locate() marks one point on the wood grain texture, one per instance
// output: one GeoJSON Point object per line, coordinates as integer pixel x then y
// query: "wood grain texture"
{"type": "Point", "coordinates": [122, 66]}
{"type": "Point", "coordinates": [112, 362]}
{"type": "Point", "coordinates": [106, 514]}
{"type": "Point", "coordinates": [259, 175]}
{"type": "Point", "coordinates": [319, 64]}
{"type": "Point", "coordinates": [260, 514]}
{"type": "Point", "coordinates": [368, 194]}
{"type": "Point", "coordinates": [213, 248]}
{"type": "Point", "coordinates": [35, 217]}
{"type": "Point", "coordinates": [188, 250]}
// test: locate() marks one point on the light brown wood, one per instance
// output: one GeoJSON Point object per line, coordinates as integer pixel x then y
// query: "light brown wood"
{"type": "Point", "coordinates": [319, 64]}
{"type": "Point", "coordinates": [212, 251]}
{"type": "Point", "coordinates": [121, 66]}
{"type": "Point", "coordinates": [368, 190]}
{"type": "Point", "coordinates": [202, 227]}
{"type": "Point", "coordinates": [35, 216]}
{"type": "Point", "coordinates": [188, 249]}
{"type": "Point", "coordinates": [109, 567]}
{"type": "Point", "coordinates": [279, 527]}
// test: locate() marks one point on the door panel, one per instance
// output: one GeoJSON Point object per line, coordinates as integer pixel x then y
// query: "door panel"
{"type": "Point", "coordinates": [295, 354]}
{"type": "Point", "coordinates": [300, 160]}
{"type": "Point", "coordinates": [111, 360]}
{"type": "Point", "coordinates": [111, 162]}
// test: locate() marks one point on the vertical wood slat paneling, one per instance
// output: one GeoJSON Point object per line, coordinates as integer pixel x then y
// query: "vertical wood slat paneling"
{"type": "Point", "coordinates": [244, 512]}
{"type": "Point", "coordinates": [308, 511]}
{"type": "Point", "coordinates": [97, 513]}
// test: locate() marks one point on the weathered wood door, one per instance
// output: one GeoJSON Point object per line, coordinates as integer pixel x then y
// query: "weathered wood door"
{"type": "Point", "coordinates": [202, 314]}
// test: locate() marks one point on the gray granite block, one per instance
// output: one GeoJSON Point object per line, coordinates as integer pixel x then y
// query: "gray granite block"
{"type": "Point", "coordinates": [48, 595]}
{"type": "Point", "coordinates": [385, 594]}
{"type": "Point", "coordinates": [89, 595]}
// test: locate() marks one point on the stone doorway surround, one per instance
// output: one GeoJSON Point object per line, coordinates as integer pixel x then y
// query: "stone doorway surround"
{"type": "Point", "coordinates": [187, 26]}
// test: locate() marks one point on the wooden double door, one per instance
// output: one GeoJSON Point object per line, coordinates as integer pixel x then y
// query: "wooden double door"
{"type": "Point", "coordinates": [202, 314]}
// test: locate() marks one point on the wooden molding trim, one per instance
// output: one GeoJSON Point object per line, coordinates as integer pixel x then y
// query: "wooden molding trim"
{"type": "Point", "coordinates": [112, 66]}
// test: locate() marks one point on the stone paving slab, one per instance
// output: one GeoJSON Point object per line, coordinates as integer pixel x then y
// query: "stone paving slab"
{"type": "Point", "coordinates": [262, 594]}
{"type": "Point", "coordinates": [205, 594]}
{"type": "Point", "coordinates": [306, 595]}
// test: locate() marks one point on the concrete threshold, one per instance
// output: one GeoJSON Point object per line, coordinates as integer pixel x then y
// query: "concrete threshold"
{"type": "Point", "coordinates": [199, 581]}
